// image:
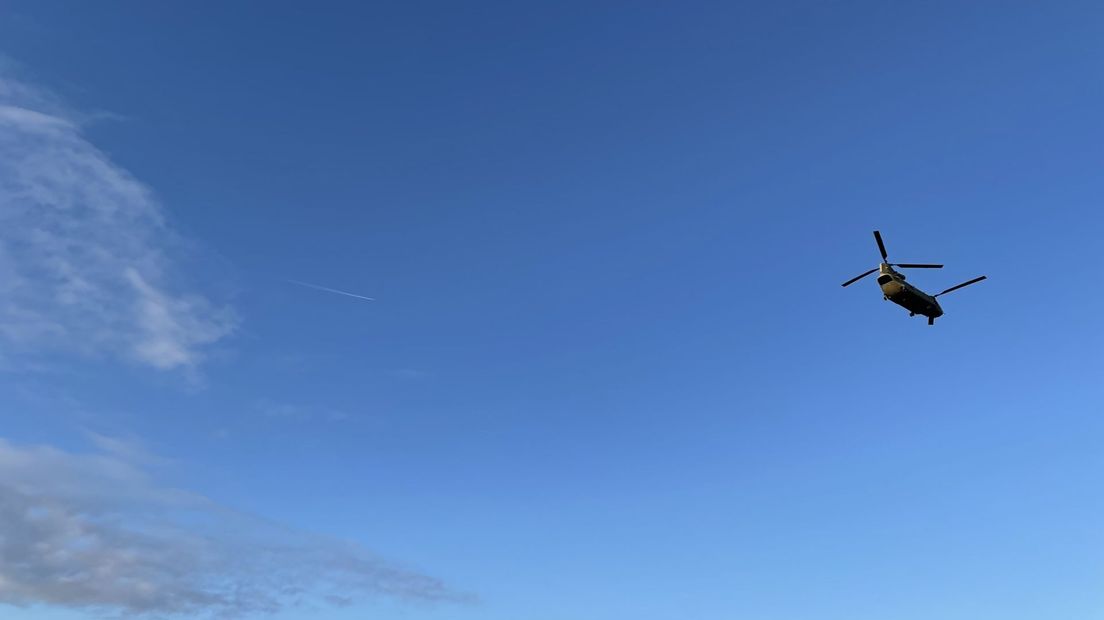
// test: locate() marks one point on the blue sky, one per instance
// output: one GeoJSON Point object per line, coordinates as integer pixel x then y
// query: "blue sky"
{"type": "Point", "coordinates": [609, 371]}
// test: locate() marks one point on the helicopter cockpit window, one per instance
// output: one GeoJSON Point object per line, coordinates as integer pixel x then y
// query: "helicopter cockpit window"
{"type": "Point", "coordinates": [884, 279]}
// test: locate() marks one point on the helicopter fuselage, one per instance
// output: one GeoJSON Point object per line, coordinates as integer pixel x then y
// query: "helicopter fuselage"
{"type": "Point", "coordinates": [896, 289]}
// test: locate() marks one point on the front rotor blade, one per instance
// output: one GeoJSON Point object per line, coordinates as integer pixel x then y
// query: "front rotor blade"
{"type": "Point", "coordinates": [917, 266]}
{"type": "Point", "coordinates": [881, 246]}
{"type": "Point", "coordinates": [857, 278]}
{"type": "Point", "coordinates": [958, 286]}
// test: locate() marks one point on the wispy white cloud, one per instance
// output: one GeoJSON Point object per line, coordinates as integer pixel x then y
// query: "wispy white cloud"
{"type": "Point", "coordinates": [89, 264]}
{"type": "Point", "coordinates": [300, 413]}
{"type": "Point", "coordinates": [96, 532]}
{"type": "Point", "coordinates": [85, 250]}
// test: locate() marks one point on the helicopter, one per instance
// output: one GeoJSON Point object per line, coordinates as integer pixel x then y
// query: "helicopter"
{"type": "Point", "coordinates": [895, 289]}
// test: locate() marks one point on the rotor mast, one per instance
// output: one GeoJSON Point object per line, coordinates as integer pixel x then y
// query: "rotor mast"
{"type": "Point", "coordinates": [887, 267]}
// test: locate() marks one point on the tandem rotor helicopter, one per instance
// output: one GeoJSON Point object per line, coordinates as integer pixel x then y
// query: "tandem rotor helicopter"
{"type": "Point", "coordinates": [895, 289]}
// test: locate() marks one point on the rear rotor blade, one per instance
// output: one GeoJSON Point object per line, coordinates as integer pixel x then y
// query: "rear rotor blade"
{"type": "Point", "coordinates": [881, 246]}
{"type": "Point", "coordinates": [958, 286]}
{"type": "Point", "coordinates": [857, 278]}
{"type": "Point", "coordinates": [917, 266]}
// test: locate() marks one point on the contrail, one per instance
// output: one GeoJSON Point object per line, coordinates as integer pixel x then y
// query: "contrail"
{"type": "Point", "coordinates": [331, 290]}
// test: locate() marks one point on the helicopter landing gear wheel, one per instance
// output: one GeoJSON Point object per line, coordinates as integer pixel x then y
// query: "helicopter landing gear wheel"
{"type": "Point", "coordinates": [931, 320]}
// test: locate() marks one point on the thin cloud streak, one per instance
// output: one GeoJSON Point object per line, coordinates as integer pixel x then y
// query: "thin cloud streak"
{"type": "Point", "coordinates": [331, 290]}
